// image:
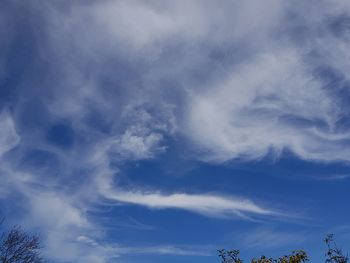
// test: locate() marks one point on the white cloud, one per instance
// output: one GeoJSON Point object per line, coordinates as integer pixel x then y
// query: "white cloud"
{"type": "Point", "coordinates": [266, 97]}
{"type": "Point", "coordinates": [133, 146]}
{"type": "Point", "coordinates": [208, 205]}
{"type": "Point", "coordinates": [61, 222]}
{"type": "Point", "coordinates": [268, 103]}
{"type": "Point", "coordinates": [256, 106]}
{"type": "Point", "coordinates": [8, 135]}
{"type": "Point", "coordinates": [166, 250]}
{"type": "Point", "coordinates": [54, 210]}
{"type": "Point", "coordinates": [116, 250]}
{"type": "Point", "coordinates": [143, 137]}
{"type": "Point", "coordinates": [138, 26]}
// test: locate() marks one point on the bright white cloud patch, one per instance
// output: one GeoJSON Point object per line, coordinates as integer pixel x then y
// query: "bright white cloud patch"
{"type": "Point", "coordinates": [268, 103]}
{"type": "Point", "coordinates": [143, 137]}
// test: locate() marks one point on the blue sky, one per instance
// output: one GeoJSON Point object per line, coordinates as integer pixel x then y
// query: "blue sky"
{"type": "Point", "coordinates": [152, 131]}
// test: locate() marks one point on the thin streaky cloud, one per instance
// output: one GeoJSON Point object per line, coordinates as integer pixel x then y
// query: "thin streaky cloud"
{"type": "Point", "coordinates": [209, 205]}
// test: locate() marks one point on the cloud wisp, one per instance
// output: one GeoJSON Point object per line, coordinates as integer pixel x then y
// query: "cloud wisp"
{"type": "Point", "coordinates": [166, 250]}
{"type": "Point", "coordinates": [268, 238]}
{"type": "Point", "coordinates": [208, 205]}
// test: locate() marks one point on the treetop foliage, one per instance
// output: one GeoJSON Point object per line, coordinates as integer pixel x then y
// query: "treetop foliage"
{"type": "Point", "coordinates": [334, 254]}
{"type": "Point", "coordinates": [17, 246]}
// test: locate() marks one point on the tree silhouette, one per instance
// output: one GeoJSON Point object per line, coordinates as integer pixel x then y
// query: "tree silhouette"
{"type": "Point", "coordinates": [232, 256]}
{"type": "Point", "coordinates": [17, 246]}
{"type": "Point", "coordinates": [229, 256]}
{"type": "Point", "coordinates": [334, 254]}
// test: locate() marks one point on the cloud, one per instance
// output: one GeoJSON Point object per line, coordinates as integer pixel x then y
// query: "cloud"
{"type": "Point", "coordinates": [268, 99]}
{"type": "Point", "coordinates": [53, 210]}
{"type": "Point", "coordinates": [166, 250]}
{"type": "Point", "coordinates": [116, 250]}
{"type": "Point", "coordinates": [332, 177]}
{"type": "Point", "coordinates": [141, 27]}
{"type": "Point", "coordinates": [8, 135]}
{"type": "Point", "coordinates": [143, 137]}
{"type": "Point", "coordinates": [137, 147]}
{"type": "Point", "coordinates": [267, 238]}
{"type": "Point", "coordinates": [262, 106]}
{"type": "Point", "coordinates": [209, 205]}
{"type": "Point", "coordinates": [242, 91]}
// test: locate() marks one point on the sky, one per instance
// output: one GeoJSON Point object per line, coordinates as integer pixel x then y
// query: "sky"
{"type": "Point", "coordinates": [160, 131]}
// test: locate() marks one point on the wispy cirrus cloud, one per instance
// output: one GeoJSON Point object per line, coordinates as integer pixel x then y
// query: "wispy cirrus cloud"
{"type": "Point", "coordinates": [167, 250]}
{"type": "Point", "coordinates": [267, 238]}
{"type": "Point", "coordinates": [205, 204]}
{"type": "Point", "coordinates": [8, 135]}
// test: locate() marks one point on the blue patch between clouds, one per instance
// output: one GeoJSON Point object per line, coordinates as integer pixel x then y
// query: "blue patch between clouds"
{"type": "Point", "coordinates": [61, 135]}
